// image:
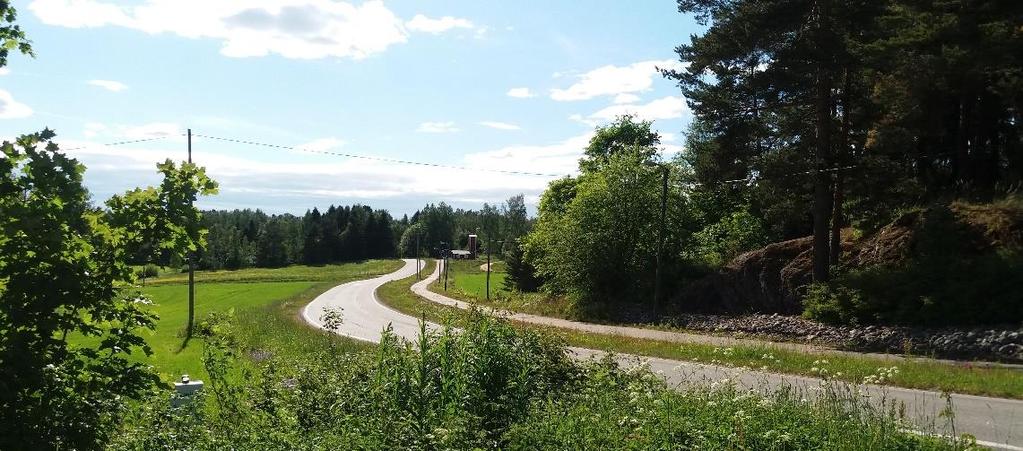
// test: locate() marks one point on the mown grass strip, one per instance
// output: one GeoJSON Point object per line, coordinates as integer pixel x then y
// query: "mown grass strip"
{"type": "Point", "coordinates": [919, 374]}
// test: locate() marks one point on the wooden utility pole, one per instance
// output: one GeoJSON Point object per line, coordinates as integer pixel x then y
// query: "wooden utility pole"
{"type": "Point", "coordinates": [191, 264]}
{"type": "Point", "coordinates": [489, 243]}
{"type": "Point", "coordinates": [419, 275]}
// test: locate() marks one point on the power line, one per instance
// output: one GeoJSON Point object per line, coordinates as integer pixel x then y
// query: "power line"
{"type": "Point", "coordinates": [119, 143]}
{"type": "Point", "coordinates": [748, 180]}
{"type": "Point", "coordinates": [372, 158]}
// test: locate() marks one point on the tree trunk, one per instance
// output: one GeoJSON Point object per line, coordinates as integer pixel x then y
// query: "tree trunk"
{"type": "Point", "coordinates": [842, 159]}
{"type": "Point", "coordinates": [822, 199]}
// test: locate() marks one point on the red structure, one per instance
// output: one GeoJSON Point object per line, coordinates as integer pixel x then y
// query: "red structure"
{"type": "Point", "coordinates": [473, 246]}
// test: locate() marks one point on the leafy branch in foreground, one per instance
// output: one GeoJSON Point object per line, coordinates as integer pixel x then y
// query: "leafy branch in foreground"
{"type": "Point", "coordinates": [64, 273]}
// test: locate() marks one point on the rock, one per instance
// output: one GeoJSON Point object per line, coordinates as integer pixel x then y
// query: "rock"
{"type": "Point", "coordinates": [946, 342]}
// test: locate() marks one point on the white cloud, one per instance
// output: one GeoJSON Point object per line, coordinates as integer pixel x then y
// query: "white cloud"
{"type": "Point", "coordinates": [322, 144]}
{"type": "Point", "coordinates": [437, 127]}
{"type": "Point", "coordinates": [626, 98]}
{"type": "Point", "coordinates": [4, 71]}
{"type": "Point", "coordinates": [151, 130]}
{"type": "Point", "coordinates": [12, 109]}
{"type": "Point", "coordinates": [94, 129]}
{"type": "Point", "coordinates": [127, 132]}
{"type": "Point", "coordinates": [303, 29]}
{"type": "Point", "coordinates": [435, 26]}
{"type": "Point", "coordinates": [557, 158]}
{"type": "Point", "coordinates": [263, 180]}
{"type": "Point", "coordinates": [614, 80]}
{"type": "Point", "coordinates": [500, 125]}
{"type": "Point", "coordinates": [521, 93]}
{"type": "Point", "coordinates": [109, 85]}
{"type": "Point", "coordinates": [669, 107]}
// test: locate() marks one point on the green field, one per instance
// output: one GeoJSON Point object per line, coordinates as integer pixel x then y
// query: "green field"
{"type": "Point", "coordinates": [467, 277]}
{"type": "Point", "coordinates": [172, 357]}
{"type": "Point", "coordinates": [467, 282]}
{"type": "Point", "coordinates": [264, 302]}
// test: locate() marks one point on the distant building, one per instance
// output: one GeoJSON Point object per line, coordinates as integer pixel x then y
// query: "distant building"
{"type": "Point", "coordinates": [459, 254]}
{"type": "Point", "coordinates": [473, 246]}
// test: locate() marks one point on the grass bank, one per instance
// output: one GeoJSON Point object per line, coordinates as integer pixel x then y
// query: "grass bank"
{"type": "Point", "coordinates": [919, 374]}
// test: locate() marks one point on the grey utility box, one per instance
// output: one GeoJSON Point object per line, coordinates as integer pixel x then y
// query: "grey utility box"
{"type": "Point", "coordinates": [184, 390]}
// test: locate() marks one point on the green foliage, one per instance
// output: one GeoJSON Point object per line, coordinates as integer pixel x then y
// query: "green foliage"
{"type": "Point", "coordinates": [491, 387]}
{"type": "Point", "coordinates": [625, 134]}
{"type": "Point", "coordinates": [64, 273]}
{"type": "Point", "coordinates": [962, 268]}
{"type": "Point", "coordinates": [732, 235]}
{"type": "Point", "coordinates": [11, 35]}
{"type": "Point", "coordinates": [521, 275]}
{"type": "Point", "coordinates": [634, 410]}
{"type": "Point", "coordinates": [448, 390]}
{"type": "Point", "coordinates": [596, 236]}
{"type": "Point", "coordinates": [933, 292]}
{"type": "Point", "coordinates": [923, 97]}
{"type": "Point", "coordinates": [148, 271]}
{"type": "Point", "coordinates": [247, 238]}
{"type": "Point", "coordinates": [835, 305]}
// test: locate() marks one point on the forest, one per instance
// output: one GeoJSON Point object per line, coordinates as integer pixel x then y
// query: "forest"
{"type": "Point", "coordinates": [251, 238]}
{"type": "Point", "coordinates": [829, 120]}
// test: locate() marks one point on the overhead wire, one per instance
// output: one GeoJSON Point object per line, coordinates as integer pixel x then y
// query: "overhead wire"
{"type": "Point", "coordinates": [374, 158]}
{"type": "Point", "coordinates": [120, 143]}
{"type": "Point", "coordinates": [419, 163]}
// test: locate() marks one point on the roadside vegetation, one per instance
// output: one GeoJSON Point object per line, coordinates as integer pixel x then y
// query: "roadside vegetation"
{"type": "Point", "coordinates": [919, 373]}
{"type": "Point", "coordinates": [490, 386]}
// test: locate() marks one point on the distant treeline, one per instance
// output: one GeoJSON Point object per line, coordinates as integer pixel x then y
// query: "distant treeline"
{"type": "Point", "coordinates": [247, 238]}
{"type": "Point", "coordinates": [252, 238]}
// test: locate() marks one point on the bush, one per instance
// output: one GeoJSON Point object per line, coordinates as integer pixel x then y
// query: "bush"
{"type": "Point", "coordinates": [521, 275]}
{"type": "Point", "coordinates": [834, 305]}
{"type": "Point", "coordinates": [734, 234]}
{"type": "Point", "coordinates": [935, 292]}
{"type": "Point", "coordinates": [148, 270]}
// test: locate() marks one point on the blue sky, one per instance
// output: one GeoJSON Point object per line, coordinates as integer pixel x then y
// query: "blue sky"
{"type": "Point", "coordinates": [480, 84]}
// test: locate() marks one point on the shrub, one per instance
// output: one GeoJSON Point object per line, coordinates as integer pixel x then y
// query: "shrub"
{"type": "Point", "coordinates": [148, 270]}
{"type": "Point", "coordinates": [521, 275]}
{"type": "Point", "coordinates": [834, 305]}
{"type": "Point", "coordinates": [734, 234]}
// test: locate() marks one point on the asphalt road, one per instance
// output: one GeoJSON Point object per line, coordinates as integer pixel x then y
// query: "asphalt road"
{"type": "Point", "coordinates": [995, 422]}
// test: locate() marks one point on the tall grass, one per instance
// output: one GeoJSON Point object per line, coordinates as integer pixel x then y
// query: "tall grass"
{"type": "Point", "coordinates": [491, 386]}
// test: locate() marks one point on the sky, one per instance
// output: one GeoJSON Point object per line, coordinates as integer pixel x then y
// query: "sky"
{"type": "Point", "coordinates": [482, 85]}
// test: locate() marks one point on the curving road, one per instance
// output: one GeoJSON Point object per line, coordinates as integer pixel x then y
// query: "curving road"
{"type": "Point", "coordinates": [995, 422]}
{"type": "Point", "coordinates": [364, 316]}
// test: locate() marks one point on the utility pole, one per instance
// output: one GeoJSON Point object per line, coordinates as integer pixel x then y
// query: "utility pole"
{"type": "Point", "coordinates": [489, 243]}
{"type": "Point", "coordinates": [191, 264]}
{"type": "Point", "coordinates": [658, 272]}
{"type": "Point", "coordinates": [418, 269]}
{"type": "Point", "coordinates": [445, 272]}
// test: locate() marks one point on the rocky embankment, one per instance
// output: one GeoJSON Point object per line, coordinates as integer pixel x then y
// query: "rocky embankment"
{"type": "Point", "coordinates": [1003, 343]}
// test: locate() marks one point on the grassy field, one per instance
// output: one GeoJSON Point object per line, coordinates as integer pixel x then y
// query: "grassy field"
{"type": "Point", "coordinates": [920, 374]}
{"type": "Point", "coordinates": [264, 302]}
{"type": "Point", "coordinates": [172, 356]}
{"type": "Point", "coordinates": [467, 282]}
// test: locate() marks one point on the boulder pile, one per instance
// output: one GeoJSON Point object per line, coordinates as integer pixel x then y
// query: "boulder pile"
{"type": "Point", "coordinates": [1002, 343]}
